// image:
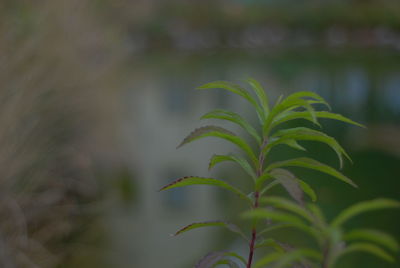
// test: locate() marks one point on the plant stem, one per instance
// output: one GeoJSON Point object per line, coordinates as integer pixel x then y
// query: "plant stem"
{"type": "Point", "coordinates": [256, 198]}
{"type": "Point", "coordinates": [325, 261]}
{"type": "Point", "coordinates": [253, 234]}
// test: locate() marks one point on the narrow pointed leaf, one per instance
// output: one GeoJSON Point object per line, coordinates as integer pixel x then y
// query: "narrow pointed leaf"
{"type": "Point", "coordinates": [227, 225]}
{"type": "Point", "coordinates": [286, 106]}
{"type": "Point", "coordinates": [235, 118]}
{"type": "Point", "coordinates": [311, 164]}
{"type": "Point", "coordinates": [191, 180]}
{"type": "Point", "coordinates": [308, 190]}
{"type": "Point", "coordinates": [354, 210]}
{"type": "Point", "coordinates": [277, 216]}
{"type": "Point", "coordinates": [213, 258]}
{"type": "Point", "coordinates": [214, 131]}
{"type": "Point", "coordinates": [320, 220]}
{"type": "Point", "coordinates": [293, 115]}
{"type": "Point", "coordinates": [296, 256]}
{"type": "Point", "coordinates": [260, 92]}
{"type": "Point", "coordinates": [303, 133]}
{"type": "Point", "coordinates": [228, 262]}
{"type": "Point", "coordinates": [368, 248]}
{"type": "Point", "coordinates": [289, 182]}
{"type": "Point", "coordinates": [288, 205]}
{"type": "Point", "coordinates": [270, 242]}
{"type": "Point", "coordinates": [374, 236]}
{"type": "Point", "coordinates": [235, 89]}
{"type": "Point", "coordinates": [269, 187]}
{"type": "Point", "coordinates": [308, 94]}
{"type": "Point", "coordinates": [274, 227]}
{"type": "Point", "coordinates": [339, 117]}
{"type": "Point", "coordinates": [215, 159]}
{"type": "Point", "coordinates": [270, 258]}
{"type": "Point", "coordinates": [294, 144]}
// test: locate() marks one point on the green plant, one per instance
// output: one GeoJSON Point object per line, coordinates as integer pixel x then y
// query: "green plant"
{"type": "Point", "coordinates": [271, 212]}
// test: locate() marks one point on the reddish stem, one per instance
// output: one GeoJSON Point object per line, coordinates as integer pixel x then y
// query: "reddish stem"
{"type": "Point", "coordinates": [261, 158]}
{"type": "Point", "coordinates": [253, 235]}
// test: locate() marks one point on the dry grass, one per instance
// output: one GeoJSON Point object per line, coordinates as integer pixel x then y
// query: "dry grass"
{"type": "Point", "coordinates": [57, 73]}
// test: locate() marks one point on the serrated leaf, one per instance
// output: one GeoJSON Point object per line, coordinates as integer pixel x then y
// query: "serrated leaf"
{"type": "Point", "coordinates": [288, 205]}
{"type": "Point", "coordinates": [311, 164]}
{"type": "Point", "coordinates": [369, 248]}
{"type": "Point", "coordinates": [192, 180]}
{"type": "Point", "coordinates": [278, 216]}
{"type": "Point", "coordinates": [237, 90]}
{"type": "Point", "coordinates": [354, 210]}
{"type": "Point", "coordinates": [219, 132]}
{"type": "Point", "coordinates": [374, 236]}
{"type": "Point", "coordinates": [308, 190]}
{"type": "Point", "coordinates": [289, 181]}
{"type": "Point", "coordinates": [235, 118]}
{"type": "Point", "coordinates": [227, 225]}
{"type": "Point", "coordinates": [303, 133]}
{"type": "Point", "coordinates": [260, 92]}
{"type": "Point", "coordinates": [215, 159]}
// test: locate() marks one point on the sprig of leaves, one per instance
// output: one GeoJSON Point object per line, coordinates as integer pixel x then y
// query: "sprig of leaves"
{"type": "Point", "coordinates": [282, 212]}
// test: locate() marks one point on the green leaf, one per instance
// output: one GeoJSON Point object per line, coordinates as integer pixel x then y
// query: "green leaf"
{"type": "Point", "coordinates": [288, 205]}
{"type": "Point", "coordinates": [215, 159]}
{"type": "Point", "coordinates": [272, 257]}
{"type": "Point", "coordinates": [227, 225]}
{"type": "Point", "coordinates": [293, 115]}
{"type": "Point", "coordinates": [303, 133]}
{"type": "Point", "coordinates": [339, 117]}
{"type": "Point", "coordinates": [374, 236]}
{"type": "Point", "coordinates": [369, 248]}
{"type": "Point", "coordinates": [318, 215]}
{"type": "Point", "coordinates": [308, 190]}
{"type": "Point", "coordinates": [270, 242]}
{"type": "Point", "coordinates": [260, 92]}
{"type": "Point", "coordinates": [297, 255]}
{"type": "Point", "coordinates": [228, 262]}
{"type": "Point", "coordinates": [237, 90]}
{"type": "Point", "coordinates": [289, 182]}
{"type": "Point", "coordinates": [262, 213]}
{"type": "Point", "coordinates": [294, 144]}
{"type": "Point", "coordinates": [212, 259]}
{"type": "Point", "coordinates": [214, 131]}
{"type": "Point", "coordinates": [268, 187]}
{"type": "Point", "coordinates": [365, 206]}
{"type": "Point", "coordinates": [274, 227]}
{"type": "Point", "coordinates": [311, 164]}
{"type": "Point", "coordinates": [286, 106]}
{"type": "Point", "coordinates": [235, 118]}
{"type": "Point", "coordinates": [191, 180]}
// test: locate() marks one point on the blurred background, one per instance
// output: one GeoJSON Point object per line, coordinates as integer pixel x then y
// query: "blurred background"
{"type": "Point", "coordinates": [96, 94]}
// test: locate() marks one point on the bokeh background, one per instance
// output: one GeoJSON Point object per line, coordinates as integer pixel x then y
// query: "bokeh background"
{"type": "Point", "coordinates": [96, 94]}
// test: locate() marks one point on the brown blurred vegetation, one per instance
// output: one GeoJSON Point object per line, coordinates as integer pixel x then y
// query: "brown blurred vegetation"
{"type": "Point", "coordinates": [58, 71]}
